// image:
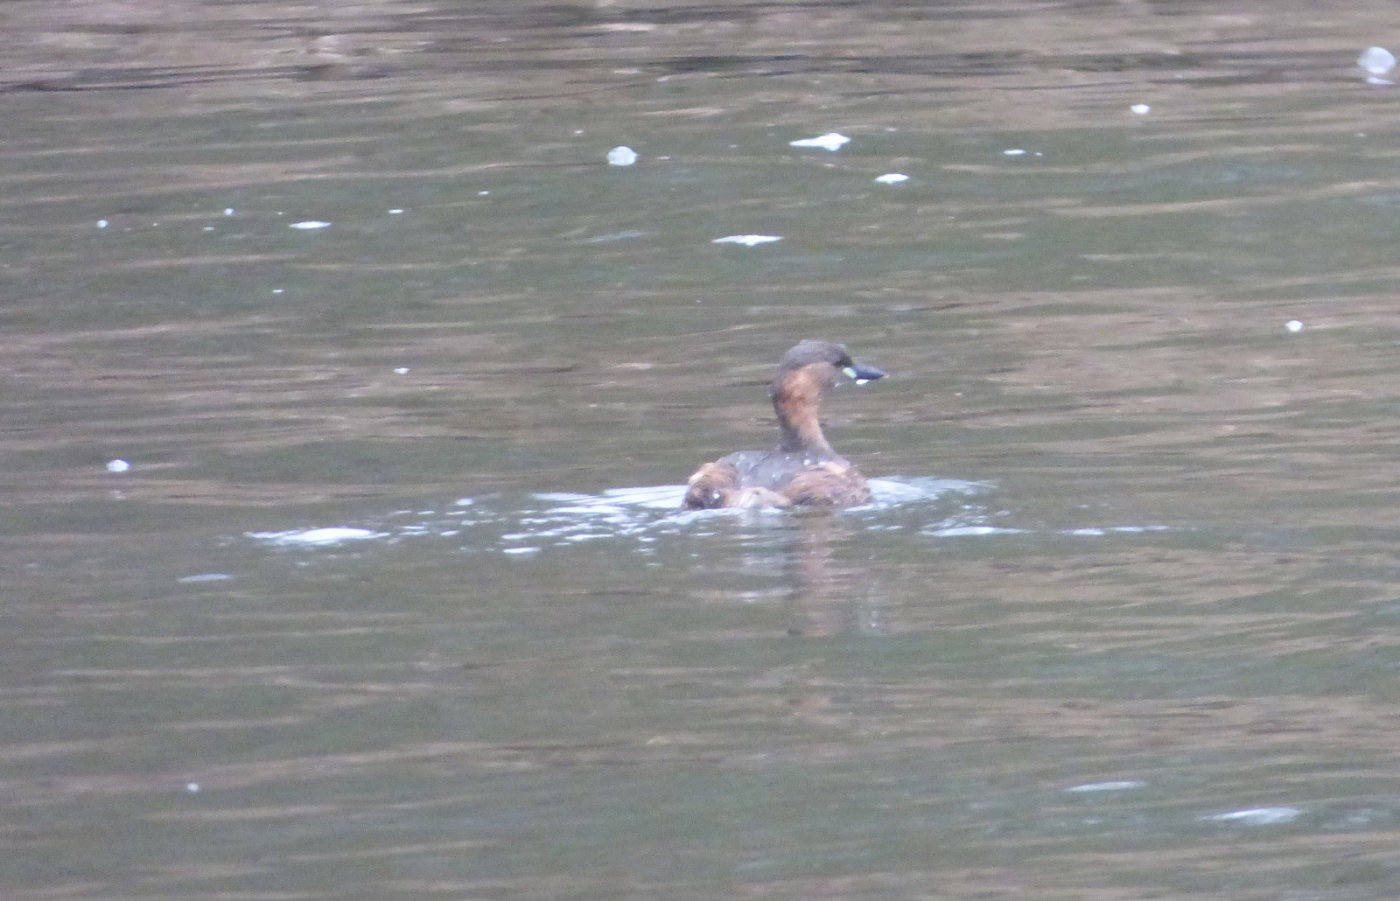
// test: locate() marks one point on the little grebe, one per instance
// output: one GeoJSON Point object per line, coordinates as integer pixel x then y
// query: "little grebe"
{"type": "Point", "coordinates": [803, 469]}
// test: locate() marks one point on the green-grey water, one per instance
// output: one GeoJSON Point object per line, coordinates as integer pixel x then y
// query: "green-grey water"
{"type": "Point", "coordinates": [394, 601]}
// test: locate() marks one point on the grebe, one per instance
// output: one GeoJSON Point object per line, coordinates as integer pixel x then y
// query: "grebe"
{"type": "Point", "coordinates": [803, 470]}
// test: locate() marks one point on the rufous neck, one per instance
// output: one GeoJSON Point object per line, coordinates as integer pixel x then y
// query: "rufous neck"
{"type": "Point", "coordinates": [801, 430]}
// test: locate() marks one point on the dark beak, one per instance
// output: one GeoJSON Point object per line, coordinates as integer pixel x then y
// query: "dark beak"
{"type": "Point", "coordinates": [863, 373]}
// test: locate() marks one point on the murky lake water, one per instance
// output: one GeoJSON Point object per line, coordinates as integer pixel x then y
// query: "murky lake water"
{"type": "Point", "coordinates": [393, 599]}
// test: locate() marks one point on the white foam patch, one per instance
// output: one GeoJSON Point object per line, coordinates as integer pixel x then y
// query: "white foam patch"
{"type": "Point", "coordinates": [832, 141]}
{"type": "Point", "coordinates": [1091, 787]}
{"type": "Point", "coordinates": [972, 531]}
{"type": "Point", "coordinates": [322, 537]}
{"type": "Point", "coordinates": [1257, 816]}
{"type": "Point", "coordinates": [541, 521]}
{"type": "Point", "coordinates": [1101, 531]}
{"type": "Point", "coordinates": [747, 240]}
{"type": "Point", "coordinates": [891, 491]}
{"type": "Point", "coordinates": [201, 578]}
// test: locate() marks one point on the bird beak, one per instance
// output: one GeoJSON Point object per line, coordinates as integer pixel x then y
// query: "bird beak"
{"type": "Point", "coordinates": [863, 374]}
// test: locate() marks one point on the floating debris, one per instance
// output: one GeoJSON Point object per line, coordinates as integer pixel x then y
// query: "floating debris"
{"type": "Point", "coordinates": [228, 211]}
{"type": "Point", "coordinates": [1257, 816]}
{"type": "Point", "coordinates": [402, 370]}
{"type": "Point", "coordinates": [310, 225]}
{"type": "Point", "coordinates": [622, 155]}
{"type": "Point", "coordinates": [891, 178]}
{"type": "Point", "coordinates": [118, 466]}
{"type": "Point", "coordinates": [832, 141]}
{"type": "Point", "coordinates": [103, 223]}
{"type": "Point", "coordinates": [396, 211]}
{"type": "Point", "coordinates": [1377, 61]}
{"type": "Point", "coordinates": [1293, 325]}
{"type": "Point", "coordinates": [1140, 109]}
{"type": "Point", "coordinates": [747, 240]}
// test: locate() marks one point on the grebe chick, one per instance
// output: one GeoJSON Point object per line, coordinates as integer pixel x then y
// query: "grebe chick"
{"type": "Point", "coordinates": [803, 469]}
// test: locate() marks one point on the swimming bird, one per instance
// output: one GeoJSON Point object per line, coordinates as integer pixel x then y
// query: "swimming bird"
{"type": "Point", "coordinates": [803, 470]}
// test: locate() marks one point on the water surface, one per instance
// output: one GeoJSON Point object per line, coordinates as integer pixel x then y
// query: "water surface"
{"type": "Point", "coordinates": [393, 599]}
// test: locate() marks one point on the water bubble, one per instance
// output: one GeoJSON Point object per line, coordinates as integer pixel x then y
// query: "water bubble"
{"type": "Point", "coordinates": [118, 466]}
{"type": "Point", "coordinates": [103, 223]}
{"type": "Point", "coordinates": [1293, 325]}
{"type": "Point", "coordinates": [1140, 109]}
